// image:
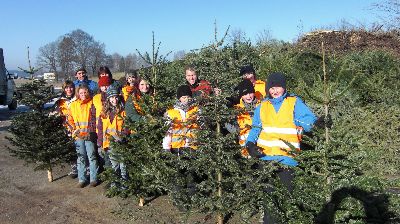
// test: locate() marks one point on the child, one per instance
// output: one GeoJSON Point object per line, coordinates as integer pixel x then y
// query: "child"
{"type": "Point", "coordinates": [61, 108]}
{"type": "Point", "coordinates": [276, 121]}
{"type": "Point", "coordinates": [248, 103]}
{"type": "Point", "coordinates": [111, 122]}
{"type": "Point", "coordinates": [183, 123]}
{"type": "Point", "coordinates": [130, 85]}
{"type": "Point", "coordinates": [98, 101]}
{"type": "Point", "coordinates": [82, 121]}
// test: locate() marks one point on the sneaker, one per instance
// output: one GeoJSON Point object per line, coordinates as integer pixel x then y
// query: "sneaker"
{"type": "Point", "coordinates": [93, 184]}
{"type": "Point", "coordinates": [81, 185]}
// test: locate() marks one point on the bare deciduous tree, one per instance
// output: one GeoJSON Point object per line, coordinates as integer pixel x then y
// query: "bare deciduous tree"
{"type": "Point", "coordinates": [47, 57]}
{"type": "Point", "coordinates": [179, 55]}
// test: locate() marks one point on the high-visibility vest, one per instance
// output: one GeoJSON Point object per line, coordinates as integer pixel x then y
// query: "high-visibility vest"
{"type": "Point", "coordinates": [63, 110]}
{"type": "Point", "coordinates": [259, 88]}
{"type": "Point", "coordinates": [80, 116]}
{"type": "Point", "coordinates": [98, 104]}
{"type": "Point", "coordinates": [278, 127]}
{"type": "Point", "coordinates": [183, 126]}
{"type": "Point", "coordinates": [126, 91]}
{"type": "Point", "coordinates": [112, 129]}
{"type": "Point", "coordinates": [244, 120]}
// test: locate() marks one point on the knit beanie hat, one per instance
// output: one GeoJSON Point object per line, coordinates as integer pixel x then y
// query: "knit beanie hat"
{"type": "Point", "coordinates": [276, 79]}
{"type": "Point", "coordinates": [245, 87]}
{"type": "Point", "coordinates": [247, 70]}
{"type": "Point", "coordinates": [111, 91]}
{"type": "Point", "coordinates": [104, 81]}
{"type": "Point", "coordinates": [183, 90]}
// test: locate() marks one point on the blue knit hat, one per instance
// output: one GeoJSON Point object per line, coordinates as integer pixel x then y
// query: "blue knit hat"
{"type": "Point", "coordinates": [111, 91]}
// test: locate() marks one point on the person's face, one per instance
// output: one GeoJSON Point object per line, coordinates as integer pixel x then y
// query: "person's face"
{"type": "Point", "coordinates": [113, 100]}
{"type": "Point", "coordinates": [249, 76]}
{"type": "Point", "coordinates": [184, 99]}
{"type": "Point", "coordinates": [80, 75]}
{"type": "Point", "coordinates": [276, 92]}
{"type": "Point", "coordinates": [144, 86]}
{"type": "Point", "coordinates": [248, 98]}
{"type": "Point", "coordinates": [103, 88]}
{"type": "Point", "coordinates": [83, 94]}
{"type": "Point", "coordinates": [191, 76]}
{"type": "Point", "coordinates": [131, 80]}
{"type": "Point", "coordinates": [69, 90]}
{"type": "Point", "coordinates": [104, 74]}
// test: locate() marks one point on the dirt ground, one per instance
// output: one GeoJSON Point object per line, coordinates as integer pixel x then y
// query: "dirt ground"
{"type": "Point", "coordinates": [27, 197]}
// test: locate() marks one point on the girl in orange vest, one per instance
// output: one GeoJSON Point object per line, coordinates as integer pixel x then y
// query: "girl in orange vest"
{"type": "Point", "coordinates": [132, 107]}
{"type": "Point", "coordinates": [98, 101]}
{"type": "Point", "coordinates": [61, 107]}
{"type": "Point", "coordinates": [130, 85]}
{"type": "Point", "coordinates": [183, 123]}
{"type": "Point", "coordinates": [110, 126]}
{"type": "Point", "coordinates": [81, 118]}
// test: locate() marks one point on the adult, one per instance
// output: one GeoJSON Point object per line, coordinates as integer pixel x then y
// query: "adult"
{"type": "Point", "coordinates": [277, 127]}
{"type": "Point", "coordinates": [82, 79]}
{"type": "Point", "coordinates": [105, 71]}
{"type": "Point", "coordinates": [199, 88]}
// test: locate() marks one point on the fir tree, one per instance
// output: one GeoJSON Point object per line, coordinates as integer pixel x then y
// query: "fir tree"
{"type": "Point", "coordinates": [40, 138]}
{"type": "Point", "coordinates": [142, 153]}
{"type": "Point", "coordinates": [223, 182]}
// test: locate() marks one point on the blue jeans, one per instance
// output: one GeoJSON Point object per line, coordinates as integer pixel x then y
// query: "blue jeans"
{"type": "Point", "coordinates": [86, 151]}
{"type": "Point", "coordinates": [117, 165]}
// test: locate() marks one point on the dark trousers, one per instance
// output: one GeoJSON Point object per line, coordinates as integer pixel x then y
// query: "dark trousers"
{"type": "Point", "coordinates": [286, 178]}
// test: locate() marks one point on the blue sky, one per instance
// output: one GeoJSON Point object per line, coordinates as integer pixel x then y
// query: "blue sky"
{"type": "Point", "coordinates": [124, 26]}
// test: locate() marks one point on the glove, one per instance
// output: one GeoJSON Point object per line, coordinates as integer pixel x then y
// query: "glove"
{"type": "Point", "coordinates": [253, 151]}
{"type": "Point", "coordinates": [324, 121]}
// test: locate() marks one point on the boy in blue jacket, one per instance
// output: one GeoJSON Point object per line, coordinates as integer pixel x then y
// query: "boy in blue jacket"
{"type": "Point", "coordinates": [277, 126]}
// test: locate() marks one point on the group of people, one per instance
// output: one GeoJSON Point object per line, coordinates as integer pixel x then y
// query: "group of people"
{"type": "Point", "coordinates": [94, 114]}
{"type": "Point", "coordinates": [270, 121]}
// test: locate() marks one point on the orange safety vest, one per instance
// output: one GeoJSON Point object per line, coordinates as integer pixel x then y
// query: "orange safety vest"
{"type": "Point", "coordinates": [98, 105]}
{"type": "Point", "coordinates": [63, 110]}
{"type": "Point", "coordinates": [79, 116]}
{"type": "Point", "coordinates": [278, 127]}
{"type": "Point", "coordinates": [126, 91]}
{"type": "Point", "coordinates": [112, 129]}
{"type": "Point", "coordinates": [183, 126]}
{"type": "Point", "coordinates": [244, 121]}
{"type": "Point", "coordinates": [259, 87]}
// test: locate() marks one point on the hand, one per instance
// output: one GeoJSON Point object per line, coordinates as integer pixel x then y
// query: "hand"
{"type": "Point", "coordinates": [253, 151]}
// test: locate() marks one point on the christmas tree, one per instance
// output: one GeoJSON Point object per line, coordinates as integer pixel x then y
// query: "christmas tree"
{"type": "Point", "coordinates": [40, 138]}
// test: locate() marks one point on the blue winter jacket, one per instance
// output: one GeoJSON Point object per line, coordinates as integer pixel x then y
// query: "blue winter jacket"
{"type": "Point", "coordinates": [303, 117]}
{"type": "Point", "coordinates": [91, 84]}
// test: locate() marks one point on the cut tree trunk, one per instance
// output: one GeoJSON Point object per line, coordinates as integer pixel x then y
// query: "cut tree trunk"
{"type": "Point", "coordinates": [50, 175]}
{"type": "Point", "coordinates": [141, 202]}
